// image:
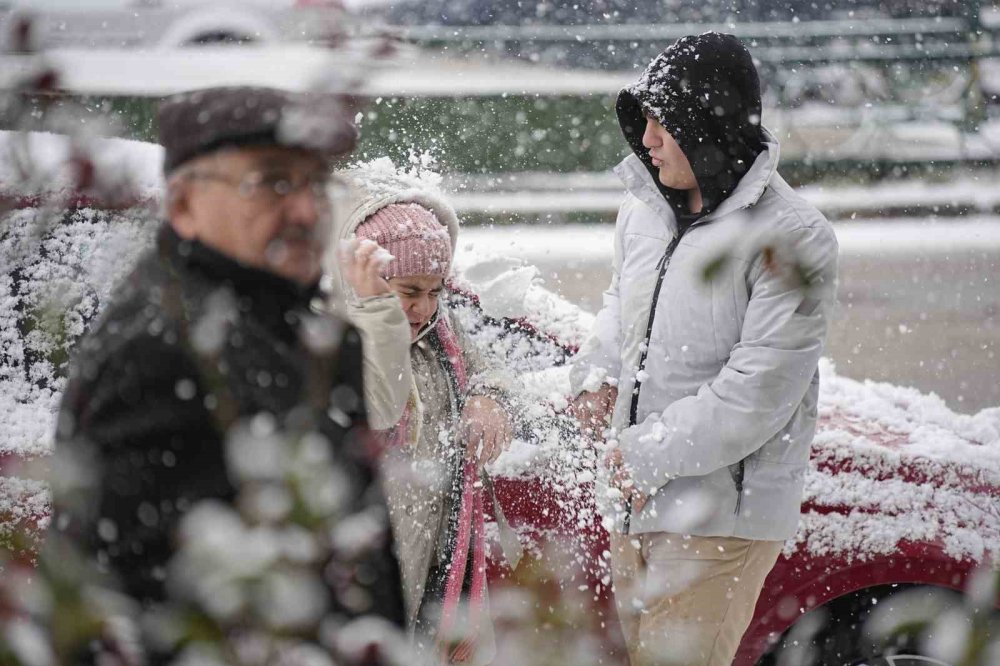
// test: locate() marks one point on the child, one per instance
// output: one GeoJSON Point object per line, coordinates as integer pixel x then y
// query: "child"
{"type": "Point", "coordinates": [397, 244]}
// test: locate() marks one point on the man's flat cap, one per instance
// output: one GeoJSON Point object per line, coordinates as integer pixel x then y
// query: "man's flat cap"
{"type": "Point", "coordinates": [201, 121]}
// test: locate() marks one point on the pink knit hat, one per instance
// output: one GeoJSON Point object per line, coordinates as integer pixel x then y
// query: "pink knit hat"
{"type": "Point", "coordinates": [412, 234]}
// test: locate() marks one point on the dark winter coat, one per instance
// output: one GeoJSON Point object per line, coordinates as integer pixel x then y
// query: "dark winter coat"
{"type": "Point", "coordinates": [191, 343]}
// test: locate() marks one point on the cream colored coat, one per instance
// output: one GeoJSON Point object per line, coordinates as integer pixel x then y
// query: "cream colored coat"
{"type": "Point", "coordinates": [398, 373]}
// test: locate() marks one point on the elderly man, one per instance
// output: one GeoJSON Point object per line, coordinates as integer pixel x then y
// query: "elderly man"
{"type": "Point", "coordinates": [216, 341]}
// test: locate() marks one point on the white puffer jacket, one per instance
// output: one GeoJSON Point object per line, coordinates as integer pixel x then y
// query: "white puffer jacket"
{"type": "Point", "coordinates": [728, 396]}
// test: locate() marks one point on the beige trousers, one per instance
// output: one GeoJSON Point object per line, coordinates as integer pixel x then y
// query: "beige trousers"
{"type": "Point", "coordinates": [687, 600]}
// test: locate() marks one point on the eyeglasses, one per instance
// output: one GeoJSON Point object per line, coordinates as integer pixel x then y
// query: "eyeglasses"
{"type": "Point", "coordinates": [274, 185]}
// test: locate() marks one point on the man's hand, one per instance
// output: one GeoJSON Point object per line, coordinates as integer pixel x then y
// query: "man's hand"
{"type": "Point", "coordinates": [485, 429]}
{"type": "Point", "coordinates": [593, 409]}
{"type": "Point", "coordinates": [361, 263]}
{"type": "Point", "coordinates": [621, 480]}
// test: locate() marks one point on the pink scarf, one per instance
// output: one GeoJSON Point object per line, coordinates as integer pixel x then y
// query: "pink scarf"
{"type": "Point", "coordinates": [471, 527]}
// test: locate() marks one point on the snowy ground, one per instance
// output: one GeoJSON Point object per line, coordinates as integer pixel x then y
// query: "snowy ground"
{"type": "Point", "coordinates": [542, 244]}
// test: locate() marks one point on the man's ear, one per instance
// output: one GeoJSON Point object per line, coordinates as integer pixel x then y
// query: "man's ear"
{"type": "Point", "coordinates": [178, 207]}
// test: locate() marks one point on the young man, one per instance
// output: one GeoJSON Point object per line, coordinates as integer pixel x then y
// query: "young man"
{"type": "Point", "coordinates": [208, 333]}
{"type": "Point", "coordinates": [704, 353]}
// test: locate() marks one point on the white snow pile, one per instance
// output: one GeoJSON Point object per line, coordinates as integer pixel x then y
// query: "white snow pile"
{"type": "Point", "coordinates": [508, 288]}
{"type": "Point", "coordinates": [34, 163]}
{"type": "Point", "coordinates": [57, 268]}
{"type": "Point", "coordinates": [57, 272]}
{"type": "Point", "coordinates": [899, 466]}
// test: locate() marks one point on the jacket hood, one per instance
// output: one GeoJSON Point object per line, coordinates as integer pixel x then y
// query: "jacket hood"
{"type": "Point", "coordinates": [370, 187]}
{"type": "Point", "coordinates": [705, 92]}
{"type": "Point", "coordinates": [644, 186]}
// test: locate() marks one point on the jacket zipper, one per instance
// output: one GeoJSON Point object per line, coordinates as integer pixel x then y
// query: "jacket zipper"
{"type": "Point", "coordinates": [738, 480]}
{"type": "Point", "coordinates": [633, 413]}
{"type": "Point", "coordinates": [634, 406]}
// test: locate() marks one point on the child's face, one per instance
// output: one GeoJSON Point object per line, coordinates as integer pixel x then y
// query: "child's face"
{"type": "Point", "coordinates": [419, 296]}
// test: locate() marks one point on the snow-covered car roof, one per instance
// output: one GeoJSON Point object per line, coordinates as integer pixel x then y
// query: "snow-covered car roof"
{"type": "Point", "coordinates": [889, 464]}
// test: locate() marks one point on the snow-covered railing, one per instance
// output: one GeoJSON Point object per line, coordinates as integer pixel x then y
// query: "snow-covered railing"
{"type": "Point", "coordinates": [778, 42]}
{"type": "Point", "coordinates": [868, 27]}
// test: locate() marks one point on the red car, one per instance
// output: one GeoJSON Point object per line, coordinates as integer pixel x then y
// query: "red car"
{"type": "Point", "coordinates": [902, 500]}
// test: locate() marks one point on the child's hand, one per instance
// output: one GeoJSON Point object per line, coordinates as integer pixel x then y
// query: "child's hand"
{"type": "Point", "coordinates": [361, 263]}
{"type": "Point", "coordinates": [592, 409]}
{"type": "Point", "coordinates": [485, 429]}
